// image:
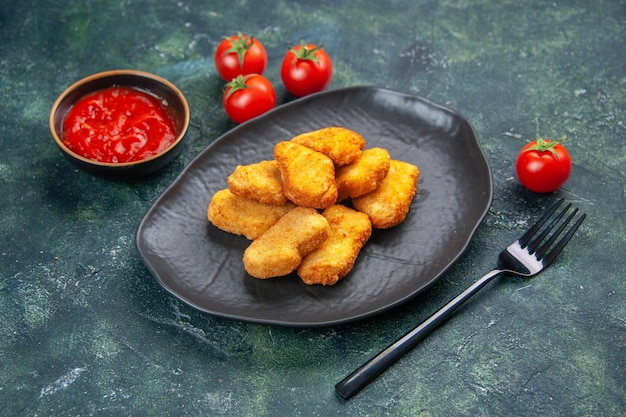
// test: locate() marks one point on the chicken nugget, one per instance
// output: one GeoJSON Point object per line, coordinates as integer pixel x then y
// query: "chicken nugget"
{"type": "Point", "coordinates": [364, 174]}
{"type": "Point", "coordinates": [349, 231]}
{"type": "Point", "coordinates": [388, 205]}
{"type": "Point", "coordinates": [339, 144]}
{"type": "Point", "coordinates": [279, 251]}
{"type": "Point", "coordinates": [308, 176]}
{"type": "Point", "coordinates": [242, 216]}
{"type": "Point", "coordinates": [260, 181]}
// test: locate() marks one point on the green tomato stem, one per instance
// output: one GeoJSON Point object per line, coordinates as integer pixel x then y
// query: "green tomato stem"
{"type": "Point", "coordinates": [236, 84]}
{"type": "Point", "coordinates": [305, 53]}
{"type": "Point", "coordinates": [239, 46]}
{"type": "Point", "coordinates": [543, 145]}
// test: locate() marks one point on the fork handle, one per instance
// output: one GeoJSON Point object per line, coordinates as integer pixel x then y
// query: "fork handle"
{"type": "Point", "coordinates": [365, 374]}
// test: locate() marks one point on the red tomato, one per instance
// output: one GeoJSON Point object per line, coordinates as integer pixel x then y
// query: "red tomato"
{"type": "Point", "coordinates": [240, 55]}
{"type": "Point", "coordinates": [543, 165]}
{"type": "Point", "coordinates": [248, 96]}
{"type": "Point", "coordinates": [306, 69]}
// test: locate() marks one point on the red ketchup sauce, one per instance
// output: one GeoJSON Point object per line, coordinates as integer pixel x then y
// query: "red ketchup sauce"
{"type": "Point", "coordinates": [118, 124]}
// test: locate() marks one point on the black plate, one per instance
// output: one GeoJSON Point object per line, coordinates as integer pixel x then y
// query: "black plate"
{"type": "Point", "coordinates": [203, 266]}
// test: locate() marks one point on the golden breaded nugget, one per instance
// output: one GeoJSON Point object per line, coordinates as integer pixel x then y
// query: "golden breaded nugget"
{"type": "Point", "coordinates": [308, 176]}
{"type": "Point", "coordinates": [364, 174]}
{"type": "Point", "coordinates": [389, 204]}
{"type": "Point", "coordinates": [242, 216]}
{"type": "Point", "coordinates": [349, 230]}
{"type": "Point", "coordinates": [260, 181]}
{"type": "Point", "coordinates": [279, 251]}
{"type": "Point", "coordinates": [339, 144]}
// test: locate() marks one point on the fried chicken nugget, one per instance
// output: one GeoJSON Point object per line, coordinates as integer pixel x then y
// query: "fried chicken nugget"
{"type": "Point", "coordinates": [364, 174]}
{"type": "Point", "coordinates": [279, 251]}
{"type": "Point", "coordinates": [339, 144]}
{"type": "Point", "coordinates": [349, 231]}
{"type": "Point", "coordinates": [388, 205]}
{"type": "Point", "coordinates": [308, 176]}
{"type": "Point", "coordinates": [260, 181]}
{"type": "Point", "coordinates": [242, 216]}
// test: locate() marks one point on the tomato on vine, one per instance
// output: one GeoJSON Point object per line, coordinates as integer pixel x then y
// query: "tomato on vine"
{"type": "Point", "coordinates": [306, 69]}
{"type": "Point", "coordinates": [543, 165]}
{"type": "Point", "coordinates": [239, 55]}
{"type": "Point", "coordinates": [249, 96]}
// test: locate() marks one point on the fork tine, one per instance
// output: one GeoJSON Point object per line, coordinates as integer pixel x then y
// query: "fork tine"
{"type": "Point", "coordinates": [547, 260]}
{"type": "Point", "coordinates": [532, 246]}
{"type": "Point", "coordinates": [546, 245]}
{"type": "Point", "coordinates": [535, 228]}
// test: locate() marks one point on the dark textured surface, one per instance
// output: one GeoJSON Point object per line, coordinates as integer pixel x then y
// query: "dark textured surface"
{"type": "Point", "coordinates": [86, 330]}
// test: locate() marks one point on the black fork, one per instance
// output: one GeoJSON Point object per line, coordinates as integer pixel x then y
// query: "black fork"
{"type": "Point", "coordinates": [526, 257]}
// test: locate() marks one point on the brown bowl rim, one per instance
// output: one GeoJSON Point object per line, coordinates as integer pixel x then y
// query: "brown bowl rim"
{"type": "Point", "coordinates": [111, 73]}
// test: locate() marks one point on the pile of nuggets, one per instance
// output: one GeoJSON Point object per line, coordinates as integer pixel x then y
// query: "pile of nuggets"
{"type": "Point", "coordinates": [296, 208]}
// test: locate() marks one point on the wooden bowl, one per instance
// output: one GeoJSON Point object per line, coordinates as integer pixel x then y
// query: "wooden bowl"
{"type": "Point", "coordinates": [155, 85]}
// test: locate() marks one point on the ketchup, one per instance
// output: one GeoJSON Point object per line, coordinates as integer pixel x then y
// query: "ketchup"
{"type": "Point", "coordinates": [118, 124]}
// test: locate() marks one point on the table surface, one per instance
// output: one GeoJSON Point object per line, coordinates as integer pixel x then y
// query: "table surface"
{"type": "Point", "coordinates": [86, 330]}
